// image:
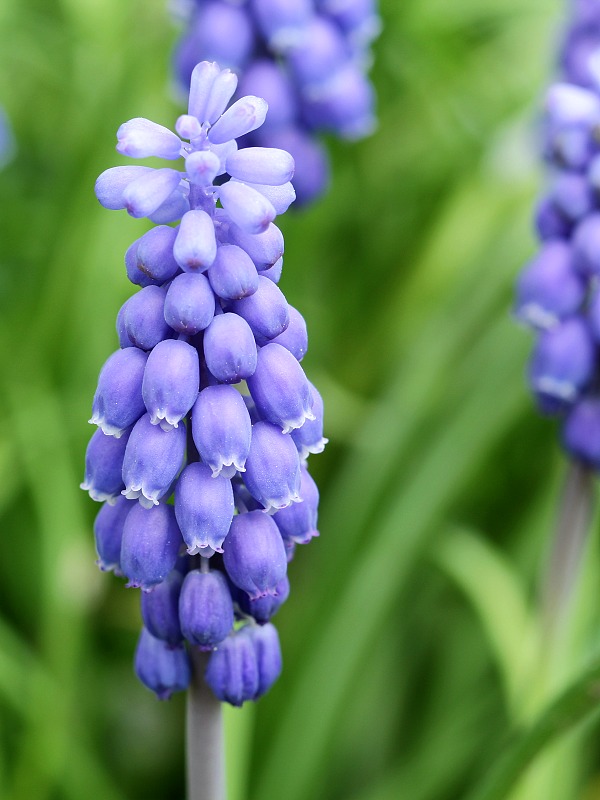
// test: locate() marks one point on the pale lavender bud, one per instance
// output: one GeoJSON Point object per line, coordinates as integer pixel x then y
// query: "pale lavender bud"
{"type": "Point", "coordinates": [152, 460]}
{"type": "Point", "coordinates": [247, 208]}
{"type": "Point", "coordinates": [140, 138]}
{"type": "Point", "coordinates": [232, 274]}
{"type": "Point", "coordinates": [154, 254]}
{"type": "Point", "coordinates": [103, 465]}
{"type": "Point", "coordinates": [160, 609]}
{"type": "Point", "coordinates": [268, 656]}
{"type": "Point", "coordinates": [244, 116]}
{"type": "Point", "coordinates": [280, 388]}
{"type": "Point", "coordinates": [204, 508]}
{"type": "Point", "coordinates": [549, 289]}
{"type": "Point", "coordinates": [295, 337]}
{"type": "Point", "coordinates": [280, 197]}
{"type": "Point", "coordinates": [581, 432]}
{"type": "Point", "coordinates": [173, 208]}
{"type": "Point", "coordinates": [150, 545]}
{"type": "Point", "coordinates": [232, 670]}
{"type": "Point", "coordinates": [274, 272]}
{"type": "Point", "coordinates": [309, 438]}
{"type": "Point", "coordinates": [171, 382]}
{"type": "Point", "coordinates": [118, 402]}
{"type": "Point", "coordinates": [131, 268]}
{"type": "Point", "coordinates": [298, 521]}
{"type": "Point", "coordinates": [272, 468]}
{"type": "Point", "coordinates": [162, 668]}
{"type": "Point", "coordinates": [111, 184]}
{"type": "Point", "coordinates": [146, 194]}
{"type": "Point", "coordinates": [202, 167]}
{"type": "Point", "coordinates": [189, 304]}
{"type": "Point", "coordinates": [311, 177]}
{"type": "Point", "coordinates": [201, 82]}
{"type": "Point", "coordinates": [108, 533]}
{"type": "Point", "coordinates": [263, 248]}
{"type": "Point", "coordinates": [221, 92]}
{"type": "Point", "coordinates": [195, 246]}
{"type": "Point", "coordinates": [222, 430]}
{"type": "Point", "coordinates": [205, 608]}
{"type": "Point", "coordinates": [254, 555]}
{"type": "Point", "coordinates": [188, 127]}
{"type": "Point", "coordinates": [567, 104]}
{"type": "Point", "coordinates": [265, 311]}
{"type": "Point", "coordinates": [229, 348]}
{"type": "Point", "coordinates": [266, 165]}
{"type": "Point", "coordinates": [144, 318]}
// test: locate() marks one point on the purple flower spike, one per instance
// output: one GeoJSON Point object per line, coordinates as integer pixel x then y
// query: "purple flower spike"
{"type": "Point", "coordinates": [586, 245]}
{"type": "Point", "coordinates": [581, 432]}
{"type": "Point", "coordinates": [572, 195]}
{"type": "Point", "coordinates": [113, 182]}
{"type": "Point", "coordinates": [549, 289]}
{"type": "Point", "coordinates": [264, 608]}
{"type": "Point", "coordinates": [189, 304]}
{"type": "Point", "coordinates": [254, 555]}
{"type": "Point", "coordinates": [144, 318]}
{"type": "Point", "coordinates": [160, 609]}
{"type": "Point", "coordinates": [283, 24]}
{"type": "Point", "coordinates": [229, 348]}
{"type": "Point", "coordinates": [562, 363]}
{"type": "Point", "coordinates": [268, 656]}
{"type": "Point", "coordinates": [151, 543]}
{"type": "Point", "coordinates": [295, 336]}
{"type": "Point", "coordinates": [195, 246]}
{"type": "Point", "coordinates": [272, 468]}
{"type": "Point", "coordinates": [103, 464]}
{"type": "Point", "coordinates": [232, 670]}
{"type": "Point", "coordinates": [154, 254]}
{"type": "Point", "coordinates": [146, 194]}
{"type": "Point", "coordinates": [267, 79]}
{"type": "Point", "coordinates": [152, 460]}
{"type": "Point", "coordinates": [248, 209]}
{"type": "Point", "coordinates": [298, 521]}
{"type": "Point", "coordinates": [267, 165]}
{"type": "Point", "coordinates": [263, 248]}
{"type": "Point", "coordinates": [171, 382]}
{"type": "Point", "coordinates": [204, 508]}
{"type": "Point", "coordinates": [118, 402]}
{"type": "Point", "coordinates": [280, 388]}
{"type": "Point", "coordinates": [309, 438]}
{"type": "Point", "coordinates": [549, 222]}
{"type": "Point", "coordinates": [265, 311]}
{"type": "Point", "coordinates": [320, 55]}
{"type": "Point", "coordinates": [108, 532]}
{"type": "Point", "coordinates": [244, 116]}
{"type": "Point", "coordinates": [140, 138]}
{"type": "Point", "coordinates": [205, 608]}
{"type": "Point", "coordinates": [233, 275]}
{"type": "Point", "coordinates": [160, 667]}
{"type": "Point", "coordinates": [222, 430]}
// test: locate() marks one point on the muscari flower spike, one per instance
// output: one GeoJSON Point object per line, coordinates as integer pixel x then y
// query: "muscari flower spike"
{"type": "Point", "coordinates": [557, 293]}
{"type": "Point", "coordinates": [205, 485]}
{"type": "Point", "coordinates": [309, 60]}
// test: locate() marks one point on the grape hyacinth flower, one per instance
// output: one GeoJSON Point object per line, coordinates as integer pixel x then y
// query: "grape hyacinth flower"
{"type": "Point", "coordinates": [308, 59]}
{"type": "Point", "coordinates": [557, 293]}
{"type": "Point", "coordinates": [205, 415]}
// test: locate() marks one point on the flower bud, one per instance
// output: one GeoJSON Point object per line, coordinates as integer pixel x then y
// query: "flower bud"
{"type": "Point", "coordinates": [202, 167]}
{"type": "Point", "coordinates": [273, 467]}
{"type": "Point", "coordinates": [280, 388]}
{"type": "Point", "coordinates": [295, 337]}
{"type": "Point", "coordinates": [263, 608]}
{"type": "Point", "coordinates": [265, 311]}
{"type": "Point", "coordinates": [311, 176]}
{"type": "Point", "coordinates": [118, 402]}
{"type": "Point", "coordinates": [246, 207]}
{"type": "Point", "coordinates": [195, 246]}
{"type": "Point", "coordinates": [161, 667]}
{"type": "Point", "coordinates": [263, 248]}
{"type": "Point", "coordinates": [321, 53]}
{"type": "Point", "coordinates": [232, 274]}
{"type": "Point", "coordinates": [147, 193]}
{"type": "Point", "coordinates": [581, 432]}
{"type": "Point", "coordinates": [280, 197]}
{"type": "Point", "coordinates": [267, 165]}
{"type": "Point", "coordinates": [309, 438]}
{"type": "Point", "coordinates": [160, 609]}
{"type": "Point", "coordinates": [144, 318]}
{"type": "Point", "coordinates": [113, 182]}
{"type": "Point", "coordinates": [190, 304]}
{"type": "Point", "coordinates": [205, 608]}
{"type": "Point", "coordinates": [229, 348]}
{"type": "Point", "coordinates": [151, 543]}
{"type": "Point", "coordinates": [154, 254]}
{"type": "Point", "coordinates": [549, 222]}
{"type": "Point", "coordinates": [268, 656]}
{"type": "Point", "coordinates": [232, 670]}
{"type": "Point", "coordinates": [221, 92]}
{"type": "Point", "coordinates": [254, 555]}
{"type": "Point", "coordinates": [273, 273]}
{"type": "Point", "coordinates": [103, 465]}
{"type": "Point", "coordinates": [572, 195]}
{"type": "Point", "coordinates": [171, 381]}
{"type": "Point", "coordinates": [152, 460]}
{"type": "Point", "coordinates": [244, 116]}
{"type": "Point", "coordinates": [108, 532]}
{"type": "Point", "coordinates": [201, 82]}
{"type": "Point", "coordinates": [141, 138]}
{"type": "Point", "coordinates": [221, 429]}
{"type": "Point", "coordinates": [266, 78]}
{"type": "Point", "coordinates": [298, 521]}
{"type": "Point", "coordinates": [283, 24]}
{"type": "Point", "coordinates": [172, 208]}
{"type": "Point", "coordinates": [586, 245]}
{"type": "Point", "coordinates": [204, 508]}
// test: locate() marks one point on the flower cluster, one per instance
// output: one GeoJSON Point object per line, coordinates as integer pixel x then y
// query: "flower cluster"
{"type": "Point", "coordinates": [206, 401]}
{"type": "Point", "coordinates": [307, 58]}
{"type": "Point", "coordinates": [558, 293]}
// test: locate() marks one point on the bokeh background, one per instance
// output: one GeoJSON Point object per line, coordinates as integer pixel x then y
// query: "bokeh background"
{"type": "Point", "coordinates": [416, 658]}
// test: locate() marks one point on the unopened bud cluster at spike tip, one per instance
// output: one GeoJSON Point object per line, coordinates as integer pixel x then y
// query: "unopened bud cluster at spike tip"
{"type": "Point", "coordinates": [205, 416]}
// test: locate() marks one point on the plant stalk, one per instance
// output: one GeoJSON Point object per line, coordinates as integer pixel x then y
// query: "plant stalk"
{"type": "Point", "coordinates": [204, 737]}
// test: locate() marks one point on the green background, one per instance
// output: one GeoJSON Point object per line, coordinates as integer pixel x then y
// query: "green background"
{"type": "Point", "coordinates": [416, 658]}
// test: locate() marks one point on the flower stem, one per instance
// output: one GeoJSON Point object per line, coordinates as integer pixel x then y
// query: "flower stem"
{"type": "Point", "coordinates": [204, 735]}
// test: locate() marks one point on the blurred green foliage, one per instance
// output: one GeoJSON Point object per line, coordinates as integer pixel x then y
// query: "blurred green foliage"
{"type": "Point", "coordinates": [415, 662]}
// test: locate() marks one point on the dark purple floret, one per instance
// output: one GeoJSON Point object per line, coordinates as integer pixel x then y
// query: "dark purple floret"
{"type": "Point", "coordinates": [108, 532]}
{"type": "Point", "coordinates": [150, 546]}
{"type": "Point", "coordinates": [205, 608]}
{"type": "Point", "coordinates": [254, 555]}
{"type": "Point", "coordinates": [268, 656]}
{"type": "Point", "coordinates": [161, 667]}
{"type": "Point", "coordinates": [160, 609]}
{"type": "Point", "coordinates": [204, 508]}
{"type": "Point", "coordinates": [581, 431]}
{"type": "Point", "coordinates": [103, 466]}
{"type": "Point", "coordinates": [232, 671]}
{"type": "Point", "coordinates": [118, 401]}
